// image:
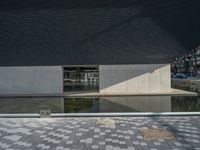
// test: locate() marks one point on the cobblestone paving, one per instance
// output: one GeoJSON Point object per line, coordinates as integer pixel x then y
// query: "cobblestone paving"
{"type": "Point", "coordinates": [86, 133]}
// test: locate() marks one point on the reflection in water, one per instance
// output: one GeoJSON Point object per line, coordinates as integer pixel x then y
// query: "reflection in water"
{"type": "Point", "coordinates": [31, 105]}
{"type": "Point", "coordinates": [101, 104]}
{"type": "Point", "coordinates": [189, 103]}
{"type": "Point", "coordinates": [139, 103]}
{"type": "Point", "coordinates": [185, 104]}
{"type": "Point", "coordinates": [133, 104]}
{"type": "Point", "coordinates": [81, 105]}
{"type": "Point", "coordinates": [105, 104]}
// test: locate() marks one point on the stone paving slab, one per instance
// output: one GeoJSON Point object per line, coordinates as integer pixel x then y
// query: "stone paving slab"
{"type": "Point", "coordinates": [90, 133]}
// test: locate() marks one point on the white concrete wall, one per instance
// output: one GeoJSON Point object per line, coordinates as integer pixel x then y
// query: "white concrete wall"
{"type": "Point", "coordinates": [124, 79]}
{"type": "Point", "coordinates": [31, 80]}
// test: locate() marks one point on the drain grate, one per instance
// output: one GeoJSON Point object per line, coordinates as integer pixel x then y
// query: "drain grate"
{"type": "Point", "coordinates": [155, 134]}
{"type": "Point", "coordinates": [105, 121]}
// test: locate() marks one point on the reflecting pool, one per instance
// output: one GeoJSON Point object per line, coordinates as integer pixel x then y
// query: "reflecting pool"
{"type": "Point", "coordinates": [101, 104]}
{"type": "Point", "coordinates": [104, 104]}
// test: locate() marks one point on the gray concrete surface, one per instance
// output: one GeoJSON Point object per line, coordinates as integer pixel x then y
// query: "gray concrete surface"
{"type": "Point", "coordinates": [124, 79]}
{"type": "Point", "coordinates": [31, 80]}
{"type": "Point", "coordinates": [173, 92]}
{"type": "Point", "coordinates": [31, 105]}
{"type": "Point", "coordinates": [91, 133]}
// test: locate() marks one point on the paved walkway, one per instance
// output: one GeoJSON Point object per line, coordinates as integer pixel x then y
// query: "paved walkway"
{"type": "Point", "coordinates": [91, 133]}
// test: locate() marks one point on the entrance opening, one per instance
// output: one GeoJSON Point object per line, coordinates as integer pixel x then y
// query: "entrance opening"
{"type": "Point", "coordinates": [81, 78]}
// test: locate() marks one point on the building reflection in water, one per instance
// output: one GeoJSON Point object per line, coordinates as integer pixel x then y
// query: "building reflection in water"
{"type": "Point", "coordinates": [138, 103]}
{"type": "Point", "coordinates": [31, 105]}
{"type": "Point", "coordinates": [119, 104]}
{"type": "Point", "coordinates": [101, 104]}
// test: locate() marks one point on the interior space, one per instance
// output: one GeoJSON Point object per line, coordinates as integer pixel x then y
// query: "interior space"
{"type": "Point", "coordinates": [80, 78]}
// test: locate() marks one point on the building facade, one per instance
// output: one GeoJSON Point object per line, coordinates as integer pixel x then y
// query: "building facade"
{"type": "Point", "coordinates": [131, 42]}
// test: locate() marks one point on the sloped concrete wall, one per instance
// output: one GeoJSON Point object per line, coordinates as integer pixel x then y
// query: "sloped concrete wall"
{"type": "Point", "coordinates": [122, 79]}
{"type": "Point", "coordinates": [31, 80]}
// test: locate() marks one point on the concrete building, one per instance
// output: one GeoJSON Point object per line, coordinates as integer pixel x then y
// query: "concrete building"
{"type": "Point", "coordinates": [131, 43]}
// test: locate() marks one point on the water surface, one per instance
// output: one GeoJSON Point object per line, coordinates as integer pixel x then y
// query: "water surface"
{"type": "Point", "coordinates": [105, 104]}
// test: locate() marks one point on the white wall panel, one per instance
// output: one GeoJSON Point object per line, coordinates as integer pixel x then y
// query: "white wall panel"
{"type": "Point", "coordinates": [31, 80]}
{"type": "Point", "coordinates": [149, 78]}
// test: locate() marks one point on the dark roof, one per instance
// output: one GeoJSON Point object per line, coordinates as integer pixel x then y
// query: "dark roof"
{"type": "Point", "coordinates": [69, 32]}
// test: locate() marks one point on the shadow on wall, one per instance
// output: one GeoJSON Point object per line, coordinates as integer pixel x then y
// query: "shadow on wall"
{"type": "Point", "coordinates": [134, 78]}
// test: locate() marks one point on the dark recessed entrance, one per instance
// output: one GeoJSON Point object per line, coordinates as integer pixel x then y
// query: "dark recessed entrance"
{"type": "Point", "coordinates": [81, 78]}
